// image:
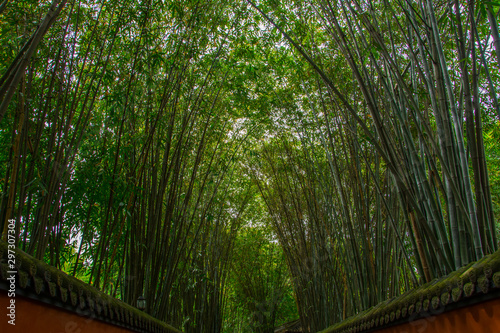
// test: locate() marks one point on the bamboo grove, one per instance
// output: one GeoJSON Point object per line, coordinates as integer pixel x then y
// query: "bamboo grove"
{"type": "Point", "coordinates": [215, 156]}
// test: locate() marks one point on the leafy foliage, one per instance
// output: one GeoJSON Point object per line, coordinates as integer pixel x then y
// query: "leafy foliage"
{"type": "Point", "coordinates": [241, 164]}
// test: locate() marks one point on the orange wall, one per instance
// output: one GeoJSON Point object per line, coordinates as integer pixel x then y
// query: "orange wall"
{"type": "Point", "coordinates": [33, 317]}
{"type": "Point", "coordinates": [36, 317]}
{"type": "Point", "coordinates": [479, 318]}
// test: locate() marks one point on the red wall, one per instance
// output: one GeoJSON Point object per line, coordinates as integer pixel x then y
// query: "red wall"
{"type": "Point", "coordinates": [479, 318]}
{"type": "Point", "coordinates": [36, 317]}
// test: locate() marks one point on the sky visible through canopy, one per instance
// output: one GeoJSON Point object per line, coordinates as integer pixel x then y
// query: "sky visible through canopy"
{"type": "Point", "coordinates": [246, 164]}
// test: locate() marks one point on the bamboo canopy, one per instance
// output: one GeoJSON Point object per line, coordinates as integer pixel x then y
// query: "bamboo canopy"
{"type": "Point", "coordinates": [244, 164]}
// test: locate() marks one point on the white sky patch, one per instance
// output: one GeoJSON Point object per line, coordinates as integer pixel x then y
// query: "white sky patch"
{"type": "Point", "coordinates": [239, 129]}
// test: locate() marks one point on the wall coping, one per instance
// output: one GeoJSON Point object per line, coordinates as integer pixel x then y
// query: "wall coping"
{"type": "Point", "coordinates": [42, 282]}
{"type": "Point", "coordinates": [470, 284]}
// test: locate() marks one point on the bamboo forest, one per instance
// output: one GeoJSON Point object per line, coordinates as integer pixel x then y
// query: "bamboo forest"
{"type": "Point", "coordinates": [245, 164]}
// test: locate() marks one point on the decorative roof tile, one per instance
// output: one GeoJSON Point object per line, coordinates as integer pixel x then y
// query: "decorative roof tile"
{"type": "Point", "coordinates": [468, 285]}
{"type": "Point", "coordinates": [43, 282]}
